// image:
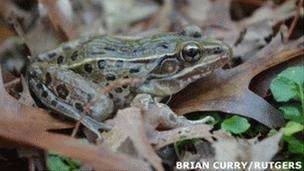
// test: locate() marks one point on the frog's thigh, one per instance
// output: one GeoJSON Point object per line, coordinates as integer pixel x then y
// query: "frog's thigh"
{"type": "Point", "coordinates": [49, 99]}
{"type": "Point", "coordinates": [77, 91]}
{"type": "Point", "coordinates": [167, 117]}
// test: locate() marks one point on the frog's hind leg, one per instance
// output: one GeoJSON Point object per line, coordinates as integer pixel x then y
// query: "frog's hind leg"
{"type": "Point", "coordinates": [53, 97]}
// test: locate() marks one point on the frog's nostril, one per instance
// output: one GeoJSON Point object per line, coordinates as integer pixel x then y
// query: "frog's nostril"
{"type": "Point", "coordinates": [218, 50]}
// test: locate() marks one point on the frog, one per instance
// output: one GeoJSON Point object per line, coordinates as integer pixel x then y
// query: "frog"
{"type": "Point", "coordinates": [67, 78]}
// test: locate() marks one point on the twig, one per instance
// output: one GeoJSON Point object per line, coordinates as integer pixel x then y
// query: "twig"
{"type": "Point", "coordinates": [12, 83]}
{"type": "Point", "coordinates": [294, 21]}
{"type": "Point", "coordinates": [108, 89]}
{"type": "Point", "coordinates": [252, 2]}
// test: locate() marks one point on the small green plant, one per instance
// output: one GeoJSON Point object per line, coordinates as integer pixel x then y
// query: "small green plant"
{"type": "Point", "coordinates": [56, 162]}
{"type": "Point", "coordinates": [236, 124]}
{"type": "Point", "coordinates": [288, 89]}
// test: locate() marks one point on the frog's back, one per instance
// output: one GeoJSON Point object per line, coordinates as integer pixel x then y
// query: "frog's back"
{"type": "Point", "coordinates": [111, 47]}
{"type": "Point", "coordinates": [126, 48]}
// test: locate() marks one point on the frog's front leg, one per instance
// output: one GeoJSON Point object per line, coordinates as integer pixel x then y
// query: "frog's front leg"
{"type": "Point", "coordinates": [68, 93]}
{"type": "Point", "coordinates": [165, 116]}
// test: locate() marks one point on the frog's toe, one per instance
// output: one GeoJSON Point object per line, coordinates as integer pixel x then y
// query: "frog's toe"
{"type": "Point", "coordinates": [207, 119]}
{"type": "Point", "coordinates": [95, 126]}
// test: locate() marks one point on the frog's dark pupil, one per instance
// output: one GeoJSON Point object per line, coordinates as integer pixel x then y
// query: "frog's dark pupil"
{"type": "Point", "coordinates": [88, 68]}
{"type": "Point", "coordinates": [190, 52]}
{"type": "Point", "coordinates": [60, 59]}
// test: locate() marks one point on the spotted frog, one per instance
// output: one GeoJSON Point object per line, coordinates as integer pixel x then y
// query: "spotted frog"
{"type": "Point", "coordinates": [66, 79]}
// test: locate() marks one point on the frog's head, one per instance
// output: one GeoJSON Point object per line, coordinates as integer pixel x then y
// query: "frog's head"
{"type": "Point", "coordinates": [192, 58]}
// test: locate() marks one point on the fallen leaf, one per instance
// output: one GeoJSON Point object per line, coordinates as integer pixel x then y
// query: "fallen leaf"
{"type": "Point", "coordinates": [232, 149]}
{"type": "Point", "coordinates": [129, 126]}
{"type": "Point", "coordinates": [61, 15]}
{"type": "Point", "coordinates": [118, 16]}
{"type": "Point", "coordinates": [163, 138]}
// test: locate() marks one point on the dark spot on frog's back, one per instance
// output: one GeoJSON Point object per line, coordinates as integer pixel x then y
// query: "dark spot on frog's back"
{"type": "Point", "coordinates": [44, 94]}
{"type": "Point", "coordinates": [51, 54]}
{"type": "Point", "coordinates": [101, 64]}
{"type": "Point", "coordinates": [54, 103]}
{"type": "Point", "coordinates": [78, 106]}
{"type": "Point", "coordinates": [110, 77]}
{"type": "Point", "coordinates": [119, 63]}
{"type": "Point", "coordinates": [109, 49]}
{"type": "Point", "coordinates": [48, 78]}
{"type": "Point", "coordinates": [60, 59]}
{"type": "Point", "coordinates": [134, 70]}
{"type": "Point", "coordinates": [39, 86]}
{"type": "Point", "coordinates": [118, 90]}
{"type": "Point", "coordinates": [88, 68]}
{"type": "Point", "coordinates": [164, 45]}
{"type": "Point", "coordinates": [62, 91]}
{"type": "Point", "coordinates": [74, 55]}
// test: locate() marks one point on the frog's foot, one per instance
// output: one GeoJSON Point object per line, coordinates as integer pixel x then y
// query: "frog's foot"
{"type": "Point", "coordinates": [95, 126]}
{"type": "Point", "coordinates": [165, 116]}
{"type": "Point", "coordinates": [51, 101]}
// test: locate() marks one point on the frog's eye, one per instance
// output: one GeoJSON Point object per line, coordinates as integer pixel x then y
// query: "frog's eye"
{"type": "Point", "coordinates": [190, 52]}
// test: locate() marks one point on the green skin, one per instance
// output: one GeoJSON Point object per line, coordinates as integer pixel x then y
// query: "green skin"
{"type": "Point", "coordinates": [67, 78]}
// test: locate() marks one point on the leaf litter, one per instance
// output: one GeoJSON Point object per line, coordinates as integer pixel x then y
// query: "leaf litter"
{"type": "Point", "coordinates": [139, 134]}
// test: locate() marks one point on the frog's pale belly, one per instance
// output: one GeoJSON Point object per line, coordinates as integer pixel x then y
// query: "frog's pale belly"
{"type": "Point", "coordinates": [70, 76]}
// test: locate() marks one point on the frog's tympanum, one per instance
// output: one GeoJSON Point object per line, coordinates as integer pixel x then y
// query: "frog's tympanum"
{"type": "Point", "coordinates": [67, 78]}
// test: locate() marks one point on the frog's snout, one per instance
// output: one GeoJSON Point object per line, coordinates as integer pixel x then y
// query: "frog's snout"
{"type": "Point", "coordinates": [227, 50]}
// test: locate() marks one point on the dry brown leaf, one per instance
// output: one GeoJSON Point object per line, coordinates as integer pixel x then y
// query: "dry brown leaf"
{"type": "Point", "coordinates": [129, 133]}
{"type": "Point", "coordinates": [267, 14]}
{"type": "Point", "coordinates": [25, 95]}
{"type": "Point", "coordinates": [28, 125]}
{"type": "Point", "coordinates": [227, 90]}
{"type": "Point", "coordinates": [260, 84]}
{"type": "Point", "coordinates": [118, 16]}
{"type": "Point", "coordinates": [163, 138]}
{"type": "Point", "coordinates": [245, 150]}
{"type": "Point", "coordinates": [61, 14]}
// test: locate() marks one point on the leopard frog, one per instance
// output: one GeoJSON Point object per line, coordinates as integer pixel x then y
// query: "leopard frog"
{"type": "Point", "coordinates": [67, 78]}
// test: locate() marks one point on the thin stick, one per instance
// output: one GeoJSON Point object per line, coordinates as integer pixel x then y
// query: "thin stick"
{"type": "Point", "coordinates": [294, 21]}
